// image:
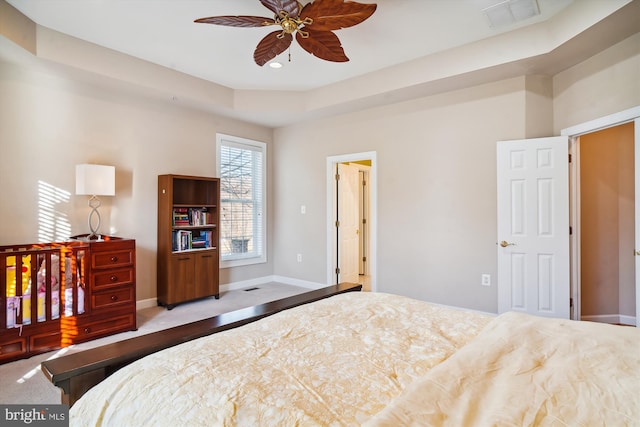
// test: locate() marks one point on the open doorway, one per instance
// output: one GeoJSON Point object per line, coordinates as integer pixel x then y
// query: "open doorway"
{"type": "Point", "coordinates": [617, 125]}
{"type": "Point", "coordinates": [351, 215]}
{"type": "Point", "coordinates": [606, 204]}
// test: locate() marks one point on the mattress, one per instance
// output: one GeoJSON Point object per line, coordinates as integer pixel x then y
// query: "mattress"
{"type": "Point", "coordinates": [335, 362]}
{"type": "Point", "coordinates": [523, 370]}
{"type": "Point", "coordinates": [378, 359]}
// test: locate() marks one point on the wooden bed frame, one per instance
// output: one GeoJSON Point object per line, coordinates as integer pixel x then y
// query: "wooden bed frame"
{"type": "Point", "coordinates": [78, 372]}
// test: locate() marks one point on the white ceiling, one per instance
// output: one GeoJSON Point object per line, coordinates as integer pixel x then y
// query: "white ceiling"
{"type": "Point", "coordinates": [163, 32]}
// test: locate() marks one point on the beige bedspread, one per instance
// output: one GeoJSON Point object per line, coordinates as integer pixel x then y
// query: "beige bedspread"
{"type": "Point", "coordinates": [338, 361]}
{"type": "Point", "coordinates": [525, 371]}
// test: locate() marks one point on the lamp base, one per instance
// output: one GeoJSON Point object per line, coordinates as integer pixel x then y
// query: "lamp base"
{"type": "Point", "coordinates": [94, 204]}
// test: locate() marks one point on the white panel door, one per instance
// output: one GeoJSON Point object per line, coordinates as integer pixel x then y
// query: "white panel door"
{"type": "Point", "coordinates": [533, 226]}
{"type": "Point", "coordinates": [348, 218]}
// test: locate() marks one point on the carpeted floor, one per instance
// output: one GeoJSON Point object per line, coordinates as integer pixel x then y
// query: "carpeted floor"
{"type": "Point", "coordinates": [23, 382]}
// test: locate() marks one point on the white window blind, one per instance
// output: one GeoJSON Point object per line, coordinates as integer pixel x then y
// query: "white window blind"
{"type": "Point", "coordinates": [242, 172]}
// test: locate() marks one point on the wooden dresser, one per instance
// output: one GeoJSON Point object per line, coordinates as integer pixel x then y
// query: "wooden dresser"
{"type": "Point", "coordinates": [56, 294]}
{"type": "Point", "coordinates": [111, 289]}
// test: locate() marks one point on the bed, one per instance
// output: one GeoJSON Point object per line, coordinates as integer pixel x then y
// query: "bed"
{"type": "Point", "coordinates": [377, 359]}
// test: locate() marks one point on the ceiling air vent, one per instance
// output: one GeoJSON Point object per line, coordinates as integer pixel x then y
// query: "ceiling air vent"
{"type": "Point", "coordinates": [511, 11]}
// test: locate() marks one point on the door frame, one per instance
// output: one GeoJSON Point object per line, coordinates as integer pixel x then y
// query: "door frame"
{"type": "Point", "coordinates": [574, 133]}
{"type": "Point", "coordinates": [332, 240]}
{"type": "Point", "coordinates": [364, 217]}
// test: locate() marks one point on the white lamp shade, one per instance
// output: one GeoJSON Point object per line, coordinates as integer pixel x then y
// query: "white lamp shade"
{"type": "Point", "coordinates": [95, 180]}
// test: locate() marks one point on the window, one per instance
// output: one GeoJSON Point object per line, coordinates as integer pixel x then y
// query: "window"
{"type": "Point", "coordinates": [242, 171]}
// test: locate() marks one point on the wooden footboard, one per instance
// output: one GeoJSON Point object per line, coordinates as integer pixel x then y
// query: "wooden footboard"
{"type": "Point", "coordinates": [78, 372]}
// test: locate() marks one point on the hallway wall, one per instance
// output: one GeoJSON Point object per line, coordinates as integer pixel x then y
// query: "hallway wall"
{"type": "Point", "coordinates": [607, 223]}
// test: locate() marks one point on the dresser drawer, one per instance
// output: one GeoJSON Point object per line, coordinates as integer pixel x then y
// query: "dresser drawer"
{"type": "Point", "coordinates": [112, 297]}
{"type": "Point", "coordinates": [112, 278]}
{"type": "Point", "coordinates": [46, 341]}
{"type": "Point", "coordinates": [90, 330]}
{"type": "Point", "coordinates": [112, 259]}
{"type": "Point", "coordinates": [11, 348]}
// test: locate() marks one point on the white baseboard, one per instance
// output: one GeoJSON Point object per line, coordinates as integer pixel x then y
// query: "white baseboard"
{"type": "Point", "coordinates": [470, 310]}
{"type": "Point", "coordinates": [234, 286]}
{"type": "Point", "coordinates": [298, 282]}
{"type": "Point", "coordinates": [611, 318]}
{"type": "Point", "coordinates": [628, 320]}
{"type": "Point", "coordinates": [146, 303]}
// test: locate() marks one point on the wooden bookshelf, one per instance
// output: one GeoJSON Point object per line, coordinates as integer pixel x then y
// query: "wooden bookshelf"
{"type": "Point", "coordinates": [188, 227]}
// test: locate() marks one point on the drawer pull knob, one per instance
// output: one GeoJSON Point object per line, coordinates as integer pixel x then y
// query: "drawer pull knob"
{"type": "Point", "coordinates": [114, 298]}
{"type": "Point", "coordinates": [87, 330]}
{"type": "Point", "coordinates": [114, 258]}
{"type": "Point", "coordinates": [114, 278]}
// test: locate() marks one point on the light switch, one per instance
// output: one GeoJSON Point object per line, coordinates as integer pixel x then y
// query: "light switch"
{"type": "Point", "coordinates": [303, 209]}
{"type": "Point", "coordinates": [486, 280]}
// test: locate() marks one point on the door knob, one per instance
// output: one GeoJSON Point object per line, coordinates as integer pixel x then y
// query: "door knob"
{"type": "Point", "coordinates": [504, 244]}
{"type": "Point", "coordinates": [637, 253]}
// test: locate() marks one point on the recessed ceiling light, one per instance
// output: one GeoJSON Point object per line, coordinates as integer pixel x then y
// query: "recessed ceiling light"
{"type": "Point", "coordinates": [275, 65]}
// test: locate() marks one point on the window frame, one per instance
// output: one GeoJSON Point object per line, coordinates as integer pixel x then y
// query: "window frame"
{"type": "Point", "coordinates": [238, 142]}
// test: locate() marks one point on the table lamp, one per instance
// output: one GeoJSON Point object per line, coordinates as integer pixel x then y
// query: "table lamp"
{"type": "Point", "coordinates": [94, 181]}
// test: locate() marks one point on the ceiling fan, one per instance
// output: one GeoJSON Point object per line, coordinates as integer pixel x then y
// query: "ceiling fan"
{"type": "Point", "coordinates": [312, 24]}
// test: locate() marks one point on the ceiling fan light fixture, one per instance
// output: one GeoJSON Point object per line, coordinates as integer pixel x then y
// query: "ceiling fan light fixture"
{"type": "Point", "coordinates": [311, 25]}
{"type": "Point", "coordinates": [275, 65]}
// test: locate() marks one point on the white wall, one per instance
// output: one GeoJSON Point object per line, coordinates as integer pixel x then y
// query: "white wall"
{"type": "Point", "coordinates": [48, 124]}
{"type": "Point", "coordinates": [436, 190]}
{"type": "Point", "coordinates": [604, 84]}
{"type": "Point", "coordinates": [436, 173]}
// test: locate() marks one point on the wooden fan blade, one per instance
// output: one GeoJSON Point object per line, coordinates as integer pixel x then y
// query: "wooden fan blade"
{"type": "Point", "coordinates": [330, 15]}
{"type": "Point", "coordinates": [292, 7]}
{"type": "Point", "coordinates": [323, 44]}
{"type": "Point", "coordinates": [237, 21]}
{"type": "Point", "coordinates": [271, 46]}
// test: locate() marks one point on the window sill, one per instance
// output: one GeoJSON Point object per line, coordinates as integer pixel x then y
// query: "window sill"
{"type": "Point", "coordinates": [242, 262]}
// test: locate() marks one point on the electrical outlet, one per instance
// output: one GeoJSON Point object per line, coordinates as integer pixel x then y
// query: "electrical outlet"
{"type": "Point", "coordinates": [486, 280]}
{"type": "Point", "coordinates": [299, 257]}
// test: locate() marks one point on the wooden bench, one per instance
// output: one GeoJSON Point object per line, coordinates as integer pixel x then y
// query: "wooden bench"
{"type": "Point", "coordinates": [77, 372]}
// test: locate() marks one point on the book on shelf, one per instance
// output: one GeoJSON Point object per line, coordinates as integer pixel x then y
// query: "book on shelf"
{"type": "Point", "coordinates": [183, 217]}
{"type": "Point", "coordinates": [180, 216]}
{"type": "Point", "coordinates": [198, 244]}
{"type": "Point", "coordinates": [182, 240]}
{"type": "Point", "coordinates": [201, 239]}
{"type": "Point", "coordinates": [186, 239]}
{"type": "Point", "coordinates": [199, 216]}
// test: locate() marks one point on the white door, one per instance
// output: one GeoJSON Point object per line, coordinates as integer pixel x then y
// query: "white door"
{"type": "Point", "coordinates": [363, 223]}
{"type": "Point", "coordinates": [348, 224]}
{"type": "Point", "coordinates": [533, 226]}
